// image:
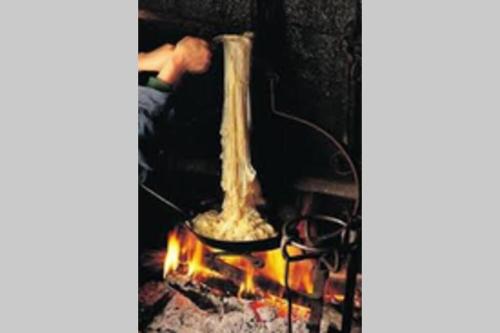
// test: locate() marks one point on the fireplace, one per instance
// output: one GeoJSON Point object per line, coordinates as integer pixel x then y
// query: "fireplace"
{"type": "Point", "coordinates": [308, 278]}
{"type": "Point", "coordinates": [294, 288]}
{"type": "Point", "coordinates": [307, 281]}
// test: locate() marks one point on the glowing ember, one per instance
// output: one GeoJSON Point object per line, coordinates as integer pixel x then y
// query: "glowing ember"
{"type": "Point", "coordinates": [298, 311]}
{"type": "Point", "coordinates": [338, 298]}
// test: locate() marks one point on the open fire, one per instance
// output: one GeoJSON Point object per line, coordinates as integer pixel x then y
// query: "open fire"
{"type": "Point", "coordinates": [183, 248]}
{"type": "Point", "coordinates": [186, 255]}
{"type": "Point", "coordinates": [205, 290]}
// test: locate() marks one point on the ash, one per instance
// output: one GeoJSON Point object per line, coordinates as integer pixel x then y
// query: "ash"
{"type": "Point", "coordinates": [184, 307]}
{"type": "Point", "coordinates": [228, 315]}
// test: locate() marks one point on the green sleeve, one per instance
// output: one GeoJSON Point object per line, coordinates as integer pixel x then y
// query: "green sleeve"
{"type": "Point", "coordinates": [159, 85]}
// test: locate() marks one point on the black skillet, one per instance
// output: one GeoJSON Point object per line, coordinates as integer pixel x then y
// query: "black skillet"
{"type": "Point", "coordinates": [235, 247]}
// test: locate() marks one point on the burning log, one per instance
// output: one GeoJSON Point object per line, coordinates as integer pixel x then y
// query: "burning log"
{"type": "Point", "coordinates": [237, 276]}
{"type": "Point", "coordinates": [228, 282]}
{"type": "Point", "coordinates": [232, 273]}
{"type": "Point", "coordinates": [200, 294]}
{"type": "Point", "coordinates": [186, 304]}
{"type": "Point", "coordinates": [191, 308]}
{"type": "Point", "coordinates": [231, 286]}
{"type": "Point", "coordinates": [194, 308]}
{"type": "Point", "coordinates": [271, 287]}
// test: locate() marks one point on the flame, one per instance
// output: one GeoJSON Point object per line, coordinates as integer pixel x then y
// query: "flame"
{"type": "Point", "coordinates": [190, 254]}
{"type": "Point", "coordinates": [173, 253]}
{"type": "Point", "coordinates": [275, 266]}
{"type": "Point", "coordinates": [186, 253]}
{"type": "Point", "coordinates": [300, 277]}
{"type": "Point", "coordinates": [301, 274]}
{"type": "Point", "coordinates": [195, 262]}
{"type": "Point", "coordinates": [248, 286]}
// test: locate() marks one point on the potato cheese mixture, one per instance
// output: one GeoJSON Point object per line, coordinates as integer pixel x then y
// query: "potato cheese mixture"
{"type": "Point", "coordinates": [238, 220]}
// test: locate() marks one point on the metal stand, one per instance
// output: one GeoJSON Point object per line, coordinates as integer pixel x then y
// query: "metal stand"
{"type": "Point", "coordinates": [348, 305]}
{"type": "Point", "coordinates": [327, 251]}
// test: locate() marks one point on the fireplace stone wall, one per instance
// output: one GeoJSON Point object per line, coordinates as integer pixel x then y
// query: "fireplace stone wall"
{"type": "Point", "coordinates": [323, 53]}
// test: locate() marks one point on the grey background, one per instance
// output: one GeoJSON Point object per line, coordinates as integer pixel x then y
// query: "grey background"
{"type": "Point", "coordinates": [68, 233]}
{"type": "Point", "coordinates": [68, 177]}
{"type": "Point", "coordinates": [430, 166]}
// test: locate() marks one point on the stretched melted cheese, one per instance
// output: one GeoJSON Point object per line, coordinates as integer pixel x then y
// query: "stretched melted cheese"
{"type": "Point", "coordinates": [239, 220]}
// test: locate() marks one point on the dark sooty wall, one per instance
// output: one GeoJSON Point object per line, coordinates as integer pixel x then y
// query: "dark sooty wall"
{"type": "Point", "coordinates": [321, 76]}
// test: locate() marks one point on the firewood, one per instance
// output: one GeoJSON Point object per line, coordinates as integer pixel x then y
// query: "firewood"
{"type": "Point", "coordinates": [197, 293]}
{"type": "Point", "coordinates": [216, 298]}
{"type": "Point", "coordinates": [230, 272]}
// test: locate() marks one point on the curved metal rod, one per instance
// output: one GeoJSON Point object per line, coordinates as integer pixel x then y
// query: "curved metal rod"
{"type": "Point", "coordinates": [314, 249]}
{"type": "Point", "coordinates": [322, 131]}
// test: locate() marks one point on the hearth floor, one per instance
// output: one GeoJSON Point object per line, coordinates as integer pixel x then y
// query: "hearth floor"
{"type": "Point", "coordinates": [166, 310]}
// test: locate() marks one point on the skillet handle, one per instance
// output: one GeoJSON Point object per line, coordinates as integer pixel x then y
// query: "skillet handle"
{"type": "Point", "coordinates": [170, 204]}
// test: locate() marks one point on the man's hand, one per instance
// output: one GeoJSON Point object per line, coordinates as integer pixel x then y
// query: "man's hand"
{"type": "Point", "coordinates": [194, 54]}
{"type": "Point", "coordinates": [191, 55]}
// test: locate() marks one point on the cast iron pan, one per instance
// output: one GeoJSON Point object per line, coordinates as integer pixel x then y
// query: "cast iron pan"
{"type": "Point", "coordinates": [235, 247]}
{"type": "Point", "coordinates": [240, 246]}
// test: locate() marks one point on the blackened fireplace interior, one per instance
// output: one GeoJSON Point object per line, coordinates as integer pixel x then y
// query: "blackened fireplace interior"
{"type": "Point", "coordinates": [309, 168]}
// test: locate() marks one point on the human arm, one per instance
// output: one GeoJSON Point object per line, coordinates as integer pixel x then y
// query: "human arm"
{"type": "Point", "coordinates": [156, 106]}
{"type": "Point", "coordinates": [156, 111]}
{"type": "Point", "coordinates": [189, 55]}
